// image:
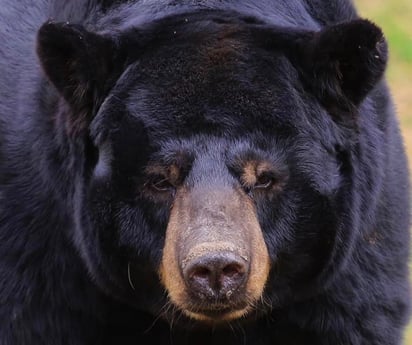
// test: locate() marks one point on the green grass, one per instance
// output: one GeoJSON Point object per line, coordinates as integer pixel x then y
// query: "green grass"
{"type": "Point", "coordinates": [395, 18]}
{"type": "Point", "coordinates": [400, 39]}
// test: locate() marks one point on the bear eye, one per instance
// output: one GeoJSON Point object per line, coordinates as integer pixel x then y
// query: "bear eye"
{"type": "Point", "coordinates": [161, 184]}
{"type": "Point", "coordinates": [265, 181]}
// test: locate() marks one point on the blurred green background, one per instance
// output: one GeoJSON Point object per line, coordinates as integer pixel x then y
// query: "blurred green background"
{"type": "Point", "coordinates": [395, 18]}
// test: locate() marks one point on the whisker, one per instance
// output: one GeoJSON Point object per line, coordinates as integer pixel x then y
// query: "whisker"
{"type": "Point", "coordinates": [231, 328]}
{"type": "Point", "coordinates": [129, 276]}
{"type": "Point", "coordinates": [240, 327]}
{"type": "Point", "coordinates": [163, 312]}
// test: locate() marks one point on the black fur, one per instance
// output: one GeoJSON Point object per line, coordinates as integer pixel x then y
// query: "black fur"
{"type": "Point", "coordinates": [116, 85]}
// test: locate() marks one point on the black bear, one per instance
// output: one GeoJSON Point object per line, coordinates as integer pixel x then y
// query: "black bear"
{"type": "Point", "coordinates": [199, 172]}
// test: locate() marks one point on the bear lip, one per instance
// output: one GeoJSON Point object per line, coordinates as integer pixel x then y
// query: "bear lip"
{"type": "Point", "coordinates": [217, 316]}
{"type": "Point", "coordinates": [217, 312]}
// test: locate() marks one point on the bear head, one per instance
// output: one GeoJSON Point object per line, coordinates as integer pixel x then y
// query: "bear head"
{"type": "Point", "coordinates": [217, 155]}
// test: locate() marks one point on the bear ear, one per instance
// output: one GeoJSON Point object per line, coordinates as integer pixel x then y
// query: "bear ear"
{"type": "Point", "coordinates": [79, 63]}
{"type": "Point", "coordinates": [344, 62]}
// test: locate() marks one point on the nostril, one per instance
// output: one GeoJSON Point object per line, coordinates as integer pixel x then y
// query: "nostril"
{"type": "Point", "coordinates": [216, 275]}
{"type": "Point", "coordinates": [200, 272]}
{"type": "Point", "coordinates": [231, 278]}
{"type": "Point", "coordinates": [200, 281]}
{"type": "Point", "coordinates": [233, 270]}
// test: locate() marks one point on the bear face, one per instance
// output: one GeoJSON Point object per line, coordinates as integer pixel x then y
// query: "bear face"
{"type": "Point", "coordinates": [218, 157]}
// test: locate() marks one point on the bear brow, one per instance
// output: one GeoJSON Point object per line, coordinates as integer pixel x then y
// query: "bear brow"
{"type": "Point", "coordinates": [252, 169]}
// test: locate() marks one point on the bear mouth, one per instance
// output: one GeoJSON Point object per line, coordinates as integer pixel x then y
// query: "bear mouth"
{"type": "Point", "coordinates": [216, 317]}
{"type": "Point", "coordinates": [217, 313]}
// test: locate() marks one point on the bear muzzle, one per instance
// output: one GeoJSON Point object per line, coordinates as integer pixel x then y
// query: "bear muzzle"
{"type": "Point", "coordinates": [215, 262]}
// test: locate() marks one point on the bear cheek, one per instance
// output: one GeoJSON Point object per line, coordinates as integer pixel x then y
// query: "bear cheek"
{"type": "Point", "coordinates": [170, 274]}
{"type": "Point", "coordinates": [214, 236]}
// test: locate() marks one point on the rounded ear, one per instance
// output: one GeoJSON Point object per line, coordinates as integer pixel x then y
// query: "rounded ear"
{"type": "Point", "coordinates": [344, 62]}
{"type": "Point", "coordinates": [79, 63]}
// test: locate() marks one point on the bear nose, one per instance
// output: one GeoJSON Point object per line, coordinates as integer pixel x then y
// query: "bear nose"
{"type": "Point", "coordinates": [216, 275]}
